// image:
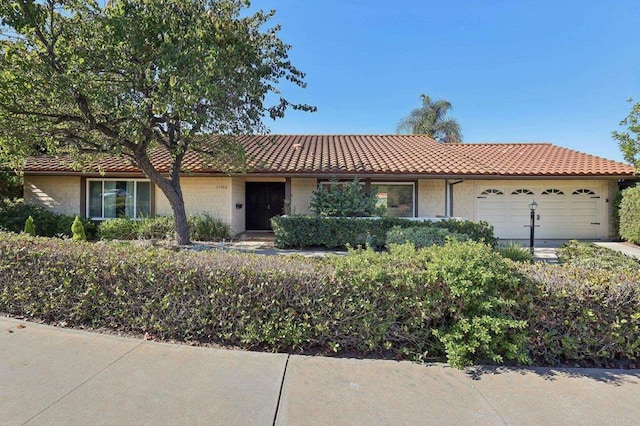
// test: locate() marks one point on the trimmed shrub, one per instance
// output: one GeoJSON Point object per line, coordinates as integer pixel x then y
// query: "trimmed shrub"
{"type": "Point", "coordinates": [589, 255]}
{"type": "Point", "coordinates": [14, 215]}
{"type": "Point", "coordinates": [419, 304]}
{"type": "Point", "coordinates": [205, 227]}
{"type": "Point", "coordinates": [155, 228]}
{"type": "Point", "coordinates": [421, 236]}
{"type": "Point", "coordinates": [348, 199]}
{"type": "Point", "coordinates": [461, 301]}
{"type": "Point", "coordinates": [30, 227]}
{"type": "Point", "coordinates": [582, 316]}
{"type": "Point", "coordinates": [453, 300]}
{"type": "Point", "coordinates": [630, 215]}
{"type": "Point", "coordinates": [332, 232]}
{"type": "Point", "coordinates": [78, 230]}
{"type": "Point", "coordinates": [118, 229]}
{"type": "Point", "coordinates": [201, 228]}
{"type": "Point", "coordinates": [514, 251]}
{"type": "Point", "coordinates": [478, 231]}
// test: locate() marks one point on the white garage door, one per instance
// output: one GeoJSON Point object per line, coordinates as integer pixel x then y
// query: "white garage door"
{"type": "Point", "coordinates": [563, 212]}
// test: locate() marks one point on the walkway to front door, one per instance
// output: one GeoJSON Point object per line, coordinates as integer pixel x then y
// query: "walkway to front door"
{"type": "Point", "coordinates": [264, 201]}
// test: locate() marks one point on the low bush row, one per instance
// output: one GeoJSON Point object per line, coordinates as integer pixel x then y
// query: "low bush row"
{"type": "Point", "coordinates": [589, 255]}
{"type": "Point", "coordinates": [583, 316]}
{"type": "Point", "coordinates": [13, 217]}
{"type": "Point", "coordinates": [461, 301]}
{"type": "Point", "coordinates": [300, 231]}
{"type": "Point", "coordinates": [422, 236]}
{"type": "Point", "coordinates": [452, 301]}
{"type": "Point", "coordinates": [202, 227]}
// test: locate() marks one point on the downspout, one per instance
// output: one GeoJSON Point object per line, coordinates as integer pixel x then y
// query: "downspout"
{"type": "Point", "coordinates": [448, 193]}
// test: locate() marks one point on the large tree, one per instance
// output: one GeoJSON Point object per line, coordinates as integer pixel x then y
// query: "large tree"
{"type": "Point", "coordinates": [139, 75]}
{"type": "Point", "coordinates": [629, 141]}
{"type": "Point", "coordinates": [431, 120]}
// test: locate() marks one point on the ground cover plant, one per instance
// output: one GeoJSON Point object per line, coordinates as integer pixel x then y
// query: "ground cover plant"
{"type": "Point", "coordinates": [589, 255]}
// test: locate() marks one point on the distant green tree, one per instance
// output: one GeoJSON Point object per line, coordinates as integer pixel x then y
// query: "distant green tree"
{"type": "Point", "coordinates": [629, 141]}
{"type": "Point", "coordinates": [431, 120]}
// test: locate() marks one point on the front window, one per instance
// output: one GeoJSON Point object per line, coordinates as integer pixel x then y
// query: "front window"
{"type": "Point", "coordinates": [111, 198]}
{"type": "Point", "coordinates": [398, 198]}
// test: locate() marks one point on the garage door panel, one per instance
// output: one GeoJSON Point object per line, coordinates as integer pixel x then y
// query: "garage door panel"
{"type": "Point", "coordinates": [561, 216]}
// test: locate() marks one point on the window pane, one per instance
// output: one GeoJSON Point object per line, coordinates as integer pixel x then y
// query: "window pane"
{"type": "Point", "coordinates": [143, 201]}
{"type": "Point", "coordinates": [95, 199]}
{"type": "Point", "coordinates": [398, 199]}
{"type": "Point", "coordinates": [109, 198]}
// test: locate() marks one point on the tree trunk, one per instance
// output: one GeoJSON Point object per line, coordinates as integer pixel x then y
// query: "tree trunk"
{"type": "Point", "coordinates": [179, 213]}
{"type": "Point", "coordinates": [171, 189]}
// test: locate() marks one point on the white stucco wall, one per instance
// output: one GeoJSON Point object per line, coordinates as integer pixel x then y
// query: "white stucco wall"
{"type": "Point", "coordinates": [431, 197]}
{"type": "Point", "coordinates": [238, 215]}
{"type": "Point", "coordinates": [201, 195]}
{"type": "Point", "coordinates": [464, 200]}
{"type": "Point", "coordinates": [301, 194]}
{"type": "Point", "coordinates": [60, 194]}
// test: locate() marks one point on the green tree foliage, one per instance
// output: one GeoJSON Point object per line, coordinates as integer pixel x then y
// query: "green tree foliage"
{"type": "Point", "coordinates": [630, 215]}
{"type": "Point", "coordinates": [137, 77]}
{"type": "Point", "coordinates": [629, 141]}
{"type": "Point", "coordinates": [30, 227]}
{"type": "Point", "coordinates": [348, 199]}
{"type": "Point", "coordinates": [431, 120]}
{"type": "Point", "coordinates": [77, 228]}
{"type": "Point", "coordinates": [10, 185]}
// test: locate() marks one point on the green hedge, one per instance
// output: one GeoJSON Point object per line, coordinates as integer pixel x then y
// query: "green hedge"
{"type": "Point", "coordinates": [336, 232]}
{"type": "Point", "coordinates": [583, 316]}
{"type": "Point", "coordinates": [48, 224]}
{"type": "Point", "coordinates": [461, 301]}
{"type": "Point", "coordinates": [202, 227]}
{"type": "Point", "coordinates": [630, 215]}
{"type": "Point", "coordinates": [421, 236]}
{"type": "Point", "coordinates": [451, 301]}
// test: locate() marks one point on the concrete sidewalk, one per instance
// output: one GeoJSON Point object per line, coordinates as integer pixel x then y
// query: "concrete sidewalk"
{"type": "Point", "coordinates": [57, 376]}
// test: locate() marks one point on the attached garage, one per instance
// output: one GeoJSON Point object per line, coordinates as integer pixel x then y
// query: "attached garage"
{"type": "Point", "coordinates": [564, 211]}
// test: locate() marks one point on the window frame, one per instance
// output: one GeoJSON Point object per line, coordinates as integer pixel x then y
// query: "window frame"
{"type": "Point", "coordinates": [135, 196]}
{"type": "Point", "coordinates": [413, 194]}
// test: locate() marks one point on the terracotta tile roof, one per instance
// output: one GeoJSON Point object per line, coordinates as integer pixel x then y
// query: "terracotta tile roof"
{"type": "Point", "coordinates": [379, 154]}
{"type": "Point", "coordinates": [540, 159]}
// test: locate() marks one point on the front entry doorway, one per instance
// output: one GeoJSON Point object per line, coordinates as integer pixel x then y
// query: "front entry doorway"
{"type": "Point", "coordinates": [264, 200]}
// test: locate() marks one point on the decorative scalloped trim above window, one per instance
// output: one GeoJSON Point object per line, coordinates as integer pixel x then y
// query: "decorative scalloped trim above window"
{"type": "Point", "coordinates": [583, 191]}
{"type": "Point", "coordinates": [492, 191]}
{"type": "Point", "coordinates": [522, 191]}
{"type": "Point", "coordinates": [552, 191]}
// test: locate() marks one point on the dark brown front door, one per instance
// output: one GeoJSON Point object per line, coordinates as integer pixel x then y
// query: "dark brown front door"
{"type": "Point", "coordinates": [264, 201]}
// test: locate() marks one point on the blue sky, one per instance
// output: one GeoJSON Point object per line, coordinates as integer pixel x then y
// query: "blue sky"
{"type": "Point", "coordinates": [515, 71]}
